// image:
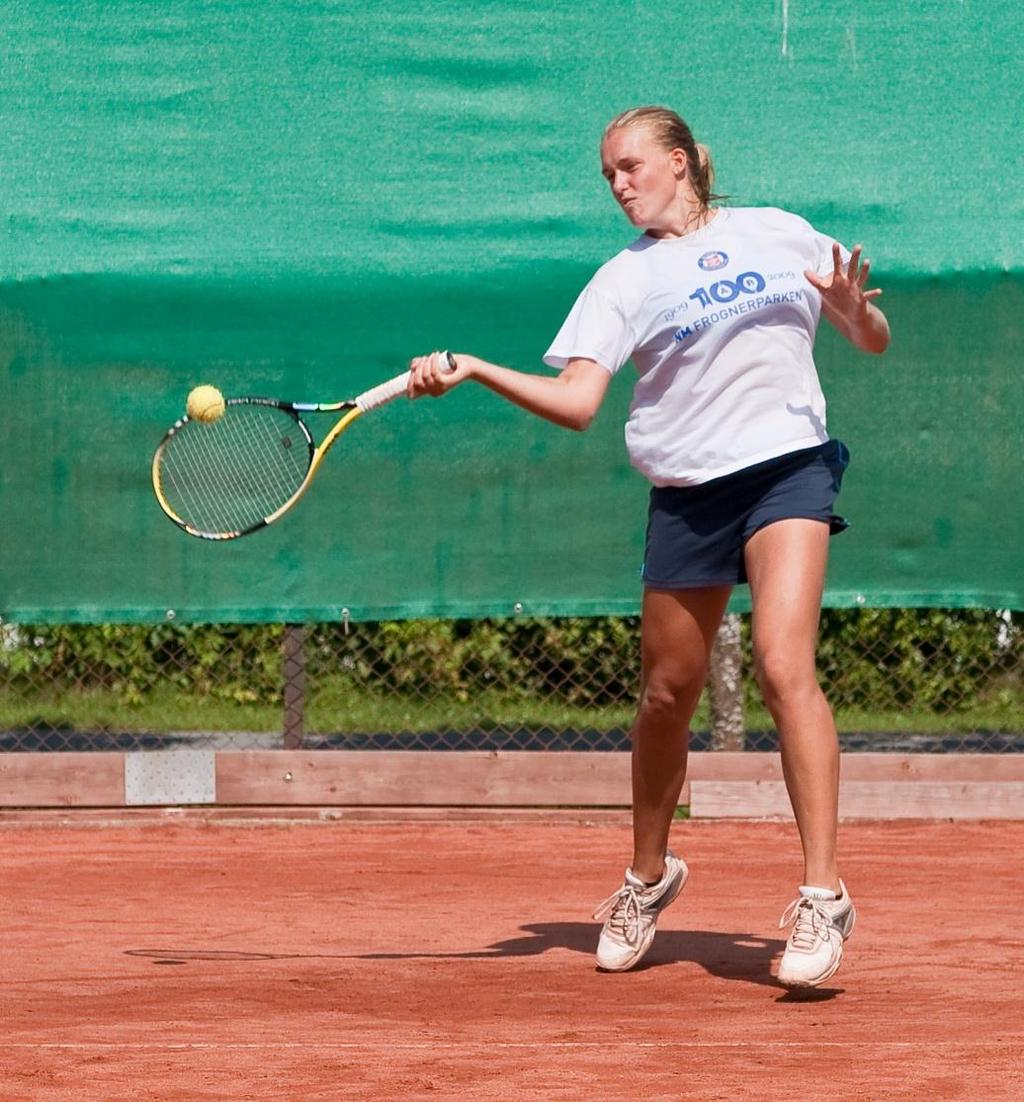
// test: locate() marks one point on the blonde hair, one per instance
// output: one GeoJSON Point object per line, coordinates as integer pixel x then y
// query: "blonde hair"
{"type": "Point", "coordinates": [672, 132]}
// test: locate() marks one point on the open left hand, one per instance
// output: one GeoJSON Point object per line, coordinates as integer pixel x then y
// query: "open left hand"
{"type": "Point", "coordinates": [842, 293]}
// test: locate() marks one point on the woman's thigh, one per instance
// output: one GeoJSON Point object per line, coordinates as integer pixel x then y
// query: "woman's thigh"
{"type": "Point", "coordinates": [786, 563]}
{"type": "Point", "coordinates": [677, 633]}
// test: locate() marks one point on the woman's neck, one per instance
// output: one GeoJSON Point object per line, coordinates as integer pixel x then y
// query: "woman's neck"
{"type": "Point", "coordinates": [690, 220]}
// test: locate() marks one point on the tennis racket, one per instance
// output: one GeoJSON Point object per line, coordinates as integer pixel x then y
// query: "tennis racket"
{"type": "Point", "coordinates": [222, 479]}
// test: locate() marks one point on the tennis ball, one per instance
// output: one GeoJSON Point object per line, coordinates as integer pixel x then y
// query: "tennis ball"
{"type": "Point", "coordinates": [205, 403]}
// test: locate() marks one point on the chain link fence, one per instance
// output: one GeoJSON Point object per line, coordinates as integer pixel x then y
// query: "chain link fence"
{"type": "Point", "coordinates": [898, 679]}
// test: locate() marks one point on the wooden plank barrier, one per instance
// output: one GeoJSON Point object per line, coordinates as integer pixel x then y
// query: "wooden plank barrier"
{"type": "Point", "coordinates": [719, 784]}
{"type": "Point", "coordinates": [74, 779]}
{"type": "Point", "coordinates": [880, 799]}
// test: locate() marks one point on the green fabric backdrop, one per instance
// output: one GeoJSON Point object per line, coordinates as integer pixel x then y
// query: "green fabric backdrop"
{"type": "Point", "coordinates": [293, 198]}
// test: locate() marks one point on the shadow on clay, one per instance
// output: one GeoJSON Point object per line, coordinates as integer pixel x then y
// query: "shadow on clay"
{"type": "Point", "coordinates": [746, 958]}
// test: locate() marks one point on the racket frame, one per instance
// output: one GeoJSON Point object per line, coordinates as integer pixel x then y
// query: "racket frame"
{"type": "Point", "coordinates": [316, 457]}
{"type": "Point", "coordinates": [354, 408]}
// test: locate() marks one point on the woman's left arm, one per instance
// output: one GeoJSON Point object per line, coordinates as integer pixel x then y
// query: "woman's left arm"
{"type": "Point", "coordinates": [848, 306]}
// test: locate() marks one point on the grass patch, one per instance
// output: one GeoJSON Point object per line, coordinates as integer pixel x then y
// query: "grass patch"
{"type": "Point", "coordinates": [161, 710]}
{"type": "Point", "coordinates": [337, 705]}
{"type": "Point", "coordinates": [332, 707]}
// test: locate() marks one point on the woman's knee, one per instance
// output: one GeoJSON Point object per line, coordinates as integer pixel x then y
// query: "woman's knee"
{"type": "Point", "coordinates": [785, 677]}
{"type": "Point", "coordinates": [671, 698]}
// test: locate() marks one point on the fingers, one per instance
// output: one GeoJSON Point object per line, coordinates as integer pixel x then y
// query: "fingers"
{"type": "Point", "coordinates": [860, 279]}
{"type": "Point", "coordinates": [419, 377]}
{"type": "Point", "coordinates": [851, 269]}
{"type": "Point", "coordinates": [854, 279]}
{"type": "Point", "coordinates": [427, 375]}
{"type": "Point", "coordinates": [814, 279]}
{"type": "Point", "coordinates": [423, 376]}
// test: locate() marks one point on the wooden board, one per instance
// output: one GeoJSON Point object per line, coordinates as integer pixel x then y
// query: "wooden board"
{"type": "Point", "coordinates": [437, 779]}
{"type": "Point", "coordinates": [424, 778]}
{"type": "Point", "coordinates": [528, 779]}
{"type": "Point", "coordinates": [881, 799]}
{"type": "Point", "coordinates": [61, 780]}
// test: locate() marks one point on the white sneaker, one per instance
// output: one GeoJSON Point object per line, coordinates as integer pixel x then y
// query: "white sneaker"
{"type": "Point", "coordinates": [821, 923]}
{"type": "Point", "coordinates": [632, 914]}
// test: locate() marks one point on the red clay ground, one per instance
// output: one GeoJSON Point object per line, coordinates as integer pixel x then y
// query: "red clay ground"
{"type": "Point", "coordinates": [453, 960]}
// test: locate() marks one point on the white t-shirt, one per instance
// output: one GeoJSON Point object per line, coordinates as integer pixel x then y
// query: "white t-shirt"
{"type": "Point", "coordinates": [720, 326]}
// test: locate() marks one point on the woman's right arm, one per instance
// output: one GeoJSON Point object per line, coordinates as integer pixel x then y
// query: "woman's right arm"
{"type": "Point", "coordinates": [570, 399]}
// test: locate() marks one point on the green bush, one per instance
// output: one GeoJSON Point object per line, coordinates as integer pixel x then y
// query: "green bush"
{"type": "Point", "coordinates": [938, 659]}
{"type": "Point", "coordinates": [583, 662]}
{"type": "Point", "coordinates": [879, 658]}
{"type": "Point", "coordinates": [231, 662]}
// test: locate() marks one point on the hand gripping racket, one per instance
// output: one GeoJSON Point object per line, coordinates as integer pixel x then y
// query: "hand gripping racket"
{"type": "Point", "coordinates": [222, 479]}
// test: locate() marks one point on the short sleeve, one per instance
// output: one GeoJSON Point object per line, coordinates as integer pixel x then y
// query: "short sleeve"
{"type": "Point", "coordinates": [596, 329]}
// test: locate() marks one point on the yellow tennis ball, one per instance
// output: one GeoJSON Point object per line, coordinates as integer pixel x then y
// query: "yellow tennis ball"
{"type": "Point", "coordinates": [205, 403]}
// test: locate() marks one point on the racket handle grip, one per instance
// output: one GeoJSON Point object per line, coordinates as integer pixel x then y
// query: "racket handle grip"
{"type": "Point", "coordinates": [392, 389]}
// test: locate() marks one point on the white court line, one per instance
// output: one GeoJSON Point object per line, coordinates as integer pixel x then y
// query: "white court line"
{"type": "Point", "coordinates": [421, 1046]}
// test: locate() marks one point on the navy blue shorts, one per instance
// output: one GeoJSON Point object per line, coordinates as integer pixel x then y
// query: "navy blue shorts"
{"type": "Point", "coordinates": [696, 534]}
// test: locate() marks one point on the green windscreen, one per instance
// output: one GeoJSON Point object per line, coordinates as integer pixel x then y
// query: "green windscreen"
{"type": "Point", "coordinates": [291, 199]}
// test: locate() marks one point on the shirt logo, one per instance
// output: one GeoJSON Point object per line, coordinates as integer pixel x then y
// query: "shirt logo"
{"type": "Point", "coordinates": [711, 262]}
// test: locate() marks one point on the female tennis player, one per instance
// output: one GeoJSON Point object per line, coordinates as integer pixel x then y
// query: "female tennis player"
{"type": "Point", "coordinates": [717, 307]}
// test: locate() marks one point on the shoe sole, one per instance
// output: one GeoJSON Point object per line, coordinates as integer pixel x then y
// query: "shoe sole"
{"type": "Point", "coordinates": [830, 971]}
{"type": "Point", "coordinates": [816, 980]}
{"type": "Point", "coordinates": [641, 951]}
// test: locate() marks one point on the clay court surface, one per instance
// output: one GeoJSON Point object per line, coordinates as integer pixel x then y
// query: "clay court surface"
{"type": "Point", "coordinates": [434, 960]}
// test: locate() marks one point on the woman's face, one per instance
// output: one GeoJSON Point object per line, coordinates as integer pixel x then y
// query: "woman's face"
{"type": "Point", "coordinates": [644, 177]}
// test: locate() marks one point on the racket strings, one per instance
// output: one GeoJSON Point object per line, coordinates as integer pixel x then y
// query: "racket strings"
{"type": "Point", "coordinates": [228, 475]}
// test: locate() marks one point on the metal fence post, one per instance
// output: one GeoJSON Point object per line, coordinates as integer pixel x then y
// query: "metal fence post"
{"type": "Point", "coordinates": [725, 687]}
{"type": "Point", "coordinates": [294, 676]}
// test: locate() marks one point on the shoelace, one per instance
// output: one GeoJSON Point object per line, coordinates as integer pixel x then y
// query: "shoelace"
{"type": "Point", "coordinates": [810, 922]}
{"type": "Point", "coordinates": [624, 906]}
